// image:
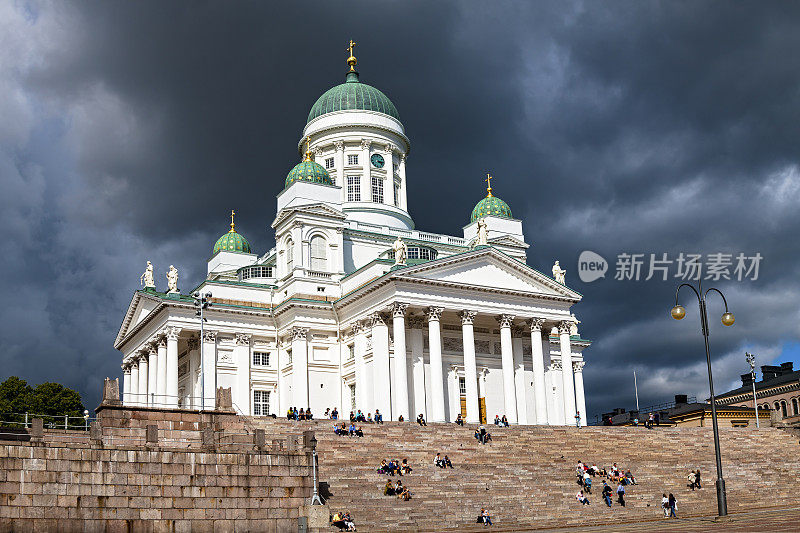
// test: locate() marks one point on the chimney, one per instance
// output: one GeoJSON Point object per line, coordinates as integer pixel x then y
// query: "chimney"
{"type": "Point", "coordinates": [770, 372]}
{"type": "Point", "coordinates": [787, 367]}
{"type": "Point", "coordinates": [747, 380]}
{"type": "Point", "coordinates": [681, 399]}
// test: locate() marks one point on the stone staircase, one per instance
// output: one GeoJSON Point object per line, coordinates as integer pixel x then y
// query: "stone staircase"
{"type": "Point", "coordinates": [525, 477]}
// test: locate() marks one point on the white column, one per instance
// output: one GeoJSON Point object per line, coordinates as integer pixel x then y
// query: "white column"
{"type": "Point", "coordinates": [209, 372]}
{"type": "Point", "coordinates": [403, 189]}
{"type": "Point", "coordinates": [437, 378]}
{"type": "Point", "coordinates": [381, 379]}
{"type": "Point", "coordinates": [539, 392]}
{"type": "Point", "coordinates": [172, 367]}
{"type": "Point", "coordinates": [241, 395]}
{"type": "Point", "coordinates": [341, 177]}
{"type": "Point", "coordinates": [297, 250]}
{"type": "Point", "coordinates": [126, 384]}
{"type": "Point", "coordinates": [509, 393]}
{"type": "Point", "coordinates": [389, 167]}
{"type": "Point", "coordinates": [519, 376]}
{"type": "Point", "coordinates": [366, 182]}
{"type": "Point", "coordinates": [470, 367]}
{"type": "Point", "coordinates": [482, 385]}
{"type": "Point", "coordinates": [161, 372]}
{"type": "Point", "coordinates": [152, 378]}
{"type": "Point", "coordinates": [133, 390]}
{"type": "Point", "coordinates": [577, 367]}
{"type": "Point", "coordinates": [418, 365]}
{"type": "Point", "coordinates": [567, 388]}
{"type": "Point", "coordinates": [400, 361]}
{"type": "Point", "coordinates": [360, 348]}
{"type": "Point", "coordinates": [194, 364]}
{"type": "Point", "coordinates": [143, 375]}
{"type": "Point", "coordinates": [556, 416]}
{"type": "Point", "coordinates": [300, 368]}
{"type": "Point", "coordinates": [453, 393]}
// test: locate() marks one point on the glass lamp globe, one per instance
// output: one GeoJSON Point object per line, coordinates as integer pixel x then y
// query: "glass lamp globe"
{"type": "Point", "coordinates": [727, 318]}
{"type": "Point", "coordinates": [678, 312]}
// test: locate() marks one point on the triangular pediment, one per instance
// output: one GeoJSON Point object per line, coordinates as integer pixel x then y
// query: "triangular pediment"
{"type": "Point", "coordinates": [322, 210]}
{"type": "Point", "coordinates": [508, 240]}
{"type": "Point", "coordinates": [488, 268]}
{"type": "Point", "coordinates": [141, 306]}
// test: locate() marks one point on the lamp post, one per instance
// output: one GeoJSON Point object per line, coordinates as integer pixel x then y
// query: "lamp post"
{"type": "Point", "coordinates": [315, 499]}
{"type": "Point", "coordinates": [751, 360]}
{"type": "Point", "coordinates": [678, 312]}
{"type": "Point", "coordinates": [201, 303]}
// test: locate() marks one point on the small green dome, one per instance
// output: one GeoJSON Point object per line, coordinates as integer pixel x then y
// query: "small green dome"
{"type": "Point", "coordinates": [309, 171]}
{"type": "Point", "coordinates": [232, 242]}
{"type": "Point", "coordinates": [491, 206]}
{"type": "Point", "coordinates": [352, 94]}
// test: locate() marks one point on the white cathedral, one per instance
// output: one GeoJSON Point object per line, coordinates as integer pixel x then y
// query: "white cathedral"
{"type": "Point", "coordinates": [354, 308]}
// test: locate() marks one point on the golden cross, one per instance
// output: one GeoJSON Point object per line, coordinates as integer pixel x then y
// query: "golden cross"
{"type": "Point", "coordinates": [308, 148]}
{"type": "Point", "coordinates": [350, 49]}
{"type": "Point", "coordinates": [232, 225]}
{"type": "Point", "coordinates": [488, 181]}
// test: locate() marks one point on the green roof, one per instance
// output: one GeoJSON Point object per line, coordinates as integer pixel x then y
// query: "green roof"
{"type": "Point", "coordinates": [232, 242]}
{"type": "Point", "coordinates": [352, 94]}
{"type": "Point", "coordinates": [491, 206]}
{"type": "Point", "coordinates": [309, 171]}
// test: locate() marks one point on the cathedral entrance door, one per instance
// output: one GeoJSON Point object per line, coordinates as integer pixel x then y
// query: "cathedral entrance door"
{"type": "Point", "coordinates": [482, 409]}
{"type": "Point", "coordinates": [464, 407]}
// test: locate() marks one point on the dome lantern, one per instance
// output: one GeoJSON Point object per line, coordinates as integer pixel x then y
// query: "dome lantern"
{"type": "Point", "coordinates": [308, 170]}
{"type": "Point", "coordinates": [491, 205]}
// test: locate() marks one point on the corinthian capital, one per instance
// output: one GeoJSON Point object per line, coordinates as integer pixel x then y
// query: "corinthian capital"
{"type": "Point", "coordinates": [377, 319]}
{"type": "Point", "coordinates": [209, 336]}
{"type": "Point", "coordinates": [577, 366]}
{"type": "Point", "coordinates": [555, 365]}
{"type": "Point", "coordinates": [565, 327]}
{"type": "Point", "coordinates": [399, 309]}
{"type": "Point", "coordinates": [172, 333]}
{"type": "Point", "coordinates": [339, 145]}
{"type": "Point", "coordinates": [365, 144]}
{"type": "Point", "coordinates": [536, 324]}
{"type": "Point", "coordinates": [467, 317]}
{"type": "Point", "coordinates": [299, 333]}
{"type": "Point", "coordinates": [356, 327]}
{"type": "Point", "coordinates": [390, 148]}
{"type": "Point", "coordinates": [434, 313]}
{"type": "Point", "coordinates": [243, 339]}
{"type": "Point", "coordinates": [505, 321]}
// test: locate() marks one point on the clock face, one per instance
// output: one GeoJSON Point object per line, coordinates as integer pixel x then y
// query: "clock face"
{"type": "Point", "coordinates": [377, 160]}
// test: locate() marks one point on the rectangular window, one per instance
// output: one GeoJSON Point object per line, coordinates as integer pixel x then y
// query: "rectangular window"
{"type": "Point", "coordinates": [377, 190]}
{"type": "Point", "coordinates": [396, 194]}
{"type": "Point", "coordinates": [351, 348]}
{"type": "Point", "coordinates": [260, 358]}
{"type": "Point", "coordinates": [333, 180]}
{"type": "Point", "coordinates": [462, 386]}
{"type": "Point", "coordinates": [328, 162]}
{"type": "Point", "coordinates": [353, 188]}
{"type": "Point", "coordinates": [352, 159]}
{"type": "Point", "coordinates": [396, 167]}
{"type": "Point", "coordinates": [260, 402]}
{"type": "Point", "coordinates": [353, 397]}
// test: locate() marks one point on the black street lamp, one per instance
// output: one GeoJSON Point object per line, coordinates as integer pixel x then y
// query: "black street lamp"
{"type": "Point", "coordinates": [678, 312]}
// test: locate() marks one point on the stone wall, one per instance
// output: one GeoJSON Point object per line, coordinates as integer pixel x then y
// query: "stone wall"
{"type": "Point", "coordinates": [149, 470]}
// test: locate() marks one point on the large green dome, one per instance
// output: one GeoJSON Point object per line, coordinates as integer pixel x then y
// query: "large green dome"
{"type": "Point", "coordinates": [352, 94]}
{"type": "Point", "coordinates": [491, 206]}
{"type": "Point", "coordinates": [232, 242]}
{"type": "Point", "coordinates": [309, 171]}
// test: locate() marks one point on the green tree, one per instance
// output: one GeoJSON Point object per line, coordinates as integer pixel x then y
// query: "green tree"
{"type": "Point", "coordinates": [50, 400]}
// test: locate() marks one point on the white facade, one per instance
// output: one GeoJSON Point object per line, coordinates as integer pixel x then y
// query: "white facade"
{"type": "Point", "coordinates": [326, 319]}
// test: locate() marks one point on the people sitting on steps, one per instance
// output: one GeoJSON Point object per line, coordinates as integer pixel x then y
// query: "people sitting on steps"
{"type": "Point", "coordinates": [459, 420]}
{"type": "Point", "coordinates": [378, 417]}
{"type": "Point", "coordinates": [582, 499]}
{"type": "Point", "coordinates": [421, 420]}
{"type": "Point", "coordinates": [481, 435]}
{"type": "Point", "coordinates": [404, 468]}
{"type": "Point", "coordinates": [496, 420]}
{"type": "Point", "coordinates": [335, 414]}
{"type": "Point", "coordinates": [369, 418]}
{"type": "Point", "coordinates": [484, 518]}
{"type": "Point", "coordinates": [504, 421]}
{"type": "Point", "coordinates": [447, 462]}
{"type": "Point", "coordinates": [438, 461]}
{"type": "Point", "coordinates": [343, 521]}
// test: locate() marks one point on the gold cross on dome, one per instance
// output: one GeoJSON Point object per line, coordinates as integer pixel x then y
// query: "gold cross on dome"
{"type": "Point", "coordinates": [488, 181]}
{"type": "Point", "coordinates": [232, 225]}
{"type": "Point", "coordinates": [350, 48]}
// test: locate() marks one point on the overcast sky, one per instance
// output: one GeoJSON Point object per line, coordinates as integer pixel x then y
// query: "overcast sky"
{"type": "Point", "coordinates": [129, 130]}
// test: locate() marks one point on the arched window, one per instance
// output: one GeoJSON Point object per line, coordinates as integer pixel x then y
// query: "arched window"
{"type": "Point", "coordinates": [777, 406]}
{"type": "Point", "coordinates": [794, 407]}
{"type": "Point", "coordinates": [319, 259]}
{"type": "Point", "coordinates": [289, 256]}
{"type": "Point", "coordinates": [783, 409]}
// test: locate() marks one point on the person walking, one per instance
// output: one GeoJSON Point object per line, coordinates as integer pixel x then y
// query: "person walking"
{"type": "Point", "coordinates": [606, 493]}
{"type": "Point", "coordinates": [692, 477]}
{"type": "Point", "coordinates": [673, 506]}
{"type": "Point", "coordinates": [665, 505]}
{"type": "Point", "coordinates": [621, 494]}
{"type": "Point", "coordinates": [697, 479]}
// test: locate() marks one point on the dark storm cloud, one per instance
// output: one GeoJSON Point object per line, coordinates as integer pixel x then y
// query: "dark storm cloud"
{"type": "Point", "coordinates": [130, 129]}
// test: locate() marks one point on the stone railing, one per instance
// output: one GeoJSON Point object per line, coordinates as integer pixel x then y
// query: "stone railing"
{"type": "Point", "coordinates": [409, 234]}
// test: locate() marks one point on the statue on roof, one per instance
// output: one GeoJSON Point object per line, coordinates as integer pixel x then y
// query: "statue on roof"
{"type": "Point", "coordinates": [400, 251]}
{"type": "Point", "coordinates": [146, 278]}
{"type": "Point", "coordinates": [482, 234]}
{"type": "Point", "coordinates": [573, 329]}
{"type": "Point", "coordinates": [559, 273]}
{"type": "Point", "coordinates": [172, 279]}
